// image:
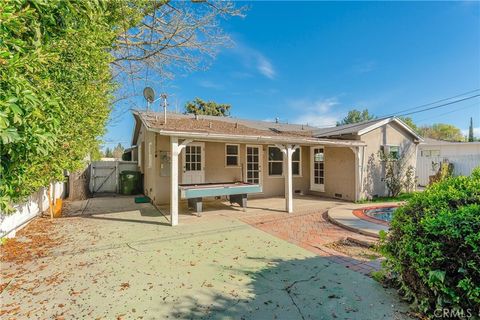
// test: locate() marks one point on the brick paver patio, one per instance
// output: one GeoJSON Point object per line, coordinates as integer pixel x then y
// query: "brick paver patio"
{"type": "Point", "coordinates": [312, 231]}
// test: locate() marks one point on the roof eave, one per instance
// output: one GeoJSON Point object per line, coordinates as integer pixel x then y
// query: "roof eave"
{"type": "Point", "coordinates": [259, 139]}
{"type": "Point", "coordinates": [388, 120]}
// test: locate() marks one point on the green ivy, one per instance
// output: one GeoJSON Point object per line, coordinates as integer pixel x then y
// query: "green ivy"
{"type": "Point", "coordinates": [433, 247]}
{"type": "Point", "coordinates": [55, 89]}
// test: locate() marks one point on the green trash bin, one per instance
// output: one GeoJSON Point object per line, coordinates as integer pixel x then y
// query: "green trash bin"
{"type": "Point", "coordinates": [129, 182]}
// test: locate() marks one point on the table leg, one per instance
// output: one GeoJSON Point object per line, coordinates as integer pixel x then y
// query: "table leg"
{"type": "Point", "coordinates": [240, 199]}
{"type": "Point", "coordinates": [196, 204]}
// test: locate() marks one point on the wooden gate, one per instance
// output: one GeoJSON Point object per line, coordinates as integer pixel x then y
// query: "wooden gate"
{"type": "Point", "coordinates": [104, 175]}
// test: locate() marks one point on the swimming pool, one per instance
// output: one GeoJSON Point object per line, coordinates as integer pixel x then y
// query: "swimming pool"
{"type": "Point", "coordinates": [382, 213]}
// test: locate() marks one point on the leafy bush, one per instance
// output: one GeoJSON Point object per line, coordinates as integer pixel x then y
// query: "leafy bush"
{"type": "Point", "coordinates": [55, 89]}
{"type": "Point", "coordinates": [433, 247]}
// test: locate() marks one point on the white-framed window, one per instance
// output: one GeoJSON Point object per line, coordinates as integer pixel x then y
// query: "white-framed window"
{"type": "Point", "coordinates": [297, 162]}
{"type": "Point", "coordinates": [318, 169]}
{"type": "Point", "coordinates": [393, 151]}
{"type": "Point", "coordinates": [275, 162]}
{"type": "Point", "coordinates": [430, 153]}
{"type": "Point", "coordinates": [232, 152]}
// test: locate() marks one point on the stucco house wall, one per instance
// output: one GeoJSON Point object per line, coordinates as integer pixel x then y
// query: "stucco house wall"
{"type": "Point", "coordinates": [339, 173]}
{"type": "Point", "coordinates": [390, 134]}
{"type": "Point", "coordinates": [339, 170]}
{"type": "Point", "coordinates": [340, 165]}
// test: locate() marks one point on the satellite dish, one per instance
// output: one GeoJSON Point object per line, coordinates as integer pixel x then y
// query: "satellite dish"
{"type": "Point", "coordinates": [149, 94]}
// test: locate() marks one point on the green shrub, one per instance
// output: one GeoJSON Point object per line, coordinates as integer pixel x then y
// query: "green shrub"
{"type": "Point", "coordinates": [433, 247]}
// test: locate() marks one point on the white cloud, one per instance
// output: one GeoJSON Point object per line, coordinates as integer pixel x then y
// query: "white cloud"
{"type": "Point", "coordinates": [316, 112]}
{"type": "Point", "coordinates": [265, 67]}
{"type": "Point", "coordinates": [255, 60]}
{"type": "Point", "coordinates": [209, 84]}
{"type": "Point", "coordinates": [364, 67]}
{"type": "Point", "coordinates": [317, 105]}
{"type": "Point", "coordinates": [316, 120]}
{"type": "Point", "coordinates": [476, 132]}
{"type": "Point", "coordinates": [241, 75]}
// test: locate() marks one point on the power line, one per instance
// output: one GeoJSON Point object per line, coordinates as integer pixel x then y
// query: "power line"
{"type": "Point", "coordinates": [413, 112]}
{"type": "Point", "coordinates": [442, 105]}
{"type": "Point", "coordinates": [435, 102]}
{"type": "Point", "coordinates": [445, 113]}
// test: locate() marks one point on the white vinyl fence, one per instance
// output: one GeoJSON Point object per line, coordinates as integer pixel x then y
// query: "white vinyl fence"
{"type": "Point", "coordinates": [32, 207]}
{"type": "Point", "coordinates": [104, 175]}
{"type": "Point", "coordinates": [463, 165]}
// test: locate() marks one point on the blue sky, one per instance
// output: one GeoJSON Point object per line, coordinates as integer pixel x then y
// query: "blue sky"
{"type": "Point", "coordinates": [311, 62]}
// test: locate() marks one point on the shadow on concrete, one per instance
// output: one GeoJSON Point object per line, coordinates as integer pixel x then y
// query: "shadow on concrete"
{"type": "Point", "coordinates": [126, 220]}
{"type": "Point", "coordinates": [262, 208]}
{"type": "Point", "coordinates": [311, 288]}
{"type": "Point", "coordinates": [121, 208]}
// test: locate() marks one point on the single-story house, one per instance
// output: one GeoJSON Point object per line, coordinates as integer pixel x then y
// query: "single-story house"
{"type": "Point", "coordinates": [465, 156]}
{"type": "Point", "coordinates": [283, 159]}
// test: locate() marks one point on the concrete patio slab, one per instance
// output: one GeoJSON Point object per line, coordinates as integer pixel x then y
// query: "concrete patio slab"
{"type": "Point", "coordinates": [343, 216]}
{"type": "Point", "coordinates": [117, 259]}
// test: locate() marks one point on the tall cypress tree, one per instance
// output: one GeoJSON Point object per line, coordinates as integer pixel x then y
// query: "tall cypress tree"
{"type": "Point", "coordinates": [470, 131]}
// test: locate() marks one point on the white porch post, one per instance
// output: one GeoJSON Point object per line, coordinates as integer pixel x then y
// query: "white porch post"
{"type": "Point", "coordinates": [288, 151]}
{"type": "Point", "coordinates": [289, 181]}
{"type": "Point", "coordinates": [175, 151]}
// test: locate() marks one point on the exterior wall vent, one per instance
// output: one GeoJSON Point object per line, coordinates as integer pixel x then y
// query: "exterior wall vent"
{"type": "Point", "coordinates": [338, 195]}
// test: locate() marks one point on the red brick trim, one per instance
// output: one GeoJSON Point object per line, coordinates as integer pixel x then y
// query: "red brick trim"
{"type": "Point", "coordinates": [360, 213]}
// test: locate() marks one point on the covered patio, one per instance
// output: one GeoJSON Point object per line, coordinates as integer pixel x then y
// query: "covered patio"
{"type": "Point", "coordinates": [182, 156]}
{"type": "Point", "coordinates": [314, 166]}
{"type": "Point", "coordinates": [257, 207]}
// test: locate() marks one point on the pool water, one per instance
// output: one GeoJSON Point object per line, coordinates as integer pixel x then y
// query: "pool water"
{"type": "Point", "coordinates": [385, 214]}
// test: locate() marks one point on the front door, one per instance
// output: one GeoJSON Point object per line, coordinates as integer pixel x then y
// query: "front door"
{"type": "Point", "coordinates": [253, 170]}
{"type": "Point", "coordinates": [194, 163]}
{"type": "Point", "coordinates": [317, 169]}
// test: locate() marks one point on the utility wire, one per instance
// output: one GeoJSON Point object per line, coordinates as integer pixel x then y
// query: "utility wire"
{"type": "Point", "coordinates": [400, 113]}
{"type": "Point", "coordinates": [452, 111]}
{"type": "Point", "coordinates": [435, 102]}
{"type": "Point", "coordinates": [442, 105]}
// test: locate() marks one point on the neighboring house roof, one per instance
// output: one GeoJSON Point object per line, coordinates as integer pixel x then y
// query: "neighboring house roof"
{"type": "Point", "coordinates": [130, 149]}
{"type": "Point", "coordinates": [362, 128]}
{"type": "Point", "coordinates": [435, 142]}
{"type": "Point", "coordinates": [226, 127]}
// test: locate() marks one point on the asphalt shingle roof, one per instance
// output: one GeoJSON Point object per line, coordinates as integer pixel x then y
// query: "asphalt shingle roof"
{"type": "Point", "coordinates": [227, 125]}
{"type": "Point", "coordinates": [352, 128]}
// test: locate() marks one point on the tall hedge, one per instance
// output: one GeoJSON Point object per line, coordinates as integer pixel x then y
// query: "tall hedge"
{"type": "Point", "coordinates": [433, 248]}
{"type": "Point", "coordinates": [55, 89]}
